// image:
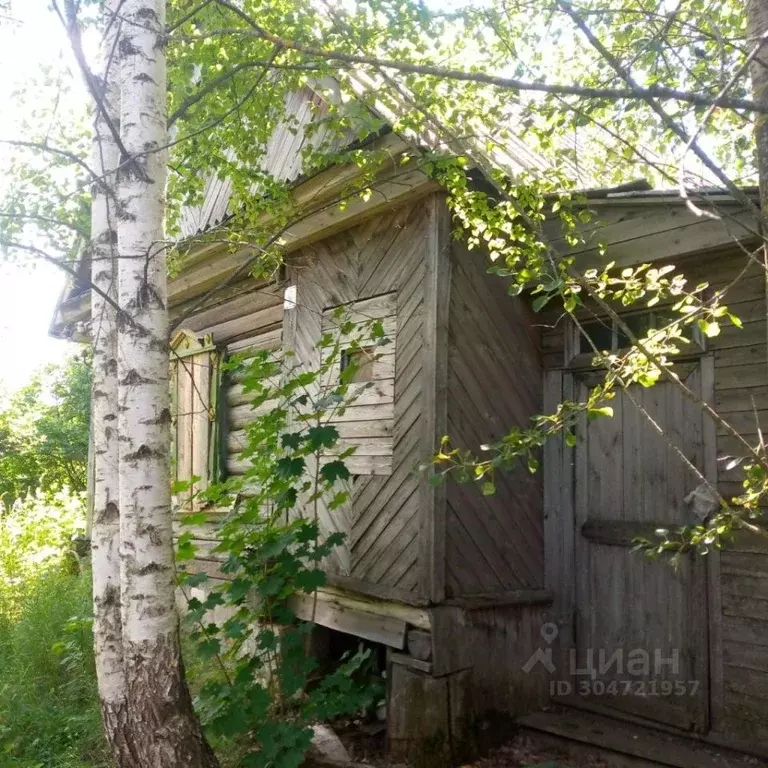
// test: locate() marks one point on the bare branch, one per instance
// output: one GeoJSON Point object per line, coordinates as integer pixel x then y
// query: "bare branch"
{"type": "Point", "coordinates": [44, 220]}
{"type": "Point", "coordinates": [62, 265]}
{"type": "Point", "coordinates": [72, 27]}
{"type": "Point", "coordinates": [45, 147]}
{"type": "Point", "coordinates": [707, 116]}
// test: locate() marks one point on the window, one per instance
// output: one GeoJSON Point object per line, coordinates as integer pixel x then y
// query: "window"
{"type": "Point", "coordinates": [366, 422]}
{"type": "Point", "coordinates": [194, 377]}
{"type": "Point", "coordinates": [362, 360]}
{"type": "Point", "coordinates": [607, 336]}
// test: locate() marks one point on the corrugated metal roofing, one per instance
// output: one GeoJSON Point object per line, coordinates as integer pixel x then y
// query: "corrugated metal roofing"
{"type": "Point", "coordinates": [282, 159]}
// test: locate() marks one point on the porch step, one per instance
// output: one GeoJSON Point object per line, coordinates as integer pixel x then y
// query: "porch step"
{"type": "Point", "coordinates": [626, 745]}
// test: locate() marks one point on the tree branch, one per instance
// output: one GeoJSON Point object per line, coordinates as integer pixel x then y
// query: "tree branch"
{"type": "Point", "coordinates": [45, 147]}
{"type": "Point", "coordinates": [507, 83]}
{"type": "Point", "coordinates": [72, 272]}
{"type": "Point", "coordinates": [188, 16]}
{"type": "Point", "coordinates": [44, 219]}
{"type": "Point", "coordinates": [212, 85]}
{"type": "Point", "coordinates": [73, 32]}
{"type": "Point", "coordinates": [707, 116]}
{"type": "Point", "coordinates": [666, 119]}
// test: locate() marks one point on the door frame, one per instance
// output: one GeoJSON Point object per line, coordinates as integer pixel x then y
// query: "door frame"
{"type": "Point", "coordinates": [560, 534]}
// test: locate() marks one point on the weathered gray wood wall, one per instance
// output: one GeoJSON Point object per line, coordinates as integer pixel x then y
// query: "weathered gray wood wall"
{"type": "Point", "coordinates": [494, 543]}
{"type": "Point", "coordinates": [384, 255]}
{"type": "Point", "coordinates": [738, 576]}
{"type": "Point", "coordinates": [248, 317]}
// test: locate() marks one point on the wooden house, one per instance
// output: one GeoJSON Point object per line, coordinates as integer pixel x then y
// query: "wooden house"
{"type": "Point", "coordinates": [491, 605]}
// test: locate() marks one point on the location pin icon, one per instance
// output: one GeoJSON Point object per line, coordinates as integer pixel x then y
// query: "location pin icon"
{"type": "Point", "coordinates": [549, 632]}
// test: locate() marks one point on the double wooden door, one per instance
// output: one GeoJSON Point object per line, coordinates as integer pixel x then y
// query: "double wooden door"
{"type": "Point", "coordinates": [641, 625]}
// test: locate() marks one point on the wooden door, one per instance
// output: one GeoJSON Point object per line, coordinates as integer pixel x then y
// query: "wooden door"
{"type": "Point", "coordinates": [641, 625]}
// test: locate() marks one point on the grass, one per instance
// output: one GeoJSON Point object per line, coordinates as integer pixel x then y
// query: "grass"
{"type": "Point", "coordinates": [49, 711]}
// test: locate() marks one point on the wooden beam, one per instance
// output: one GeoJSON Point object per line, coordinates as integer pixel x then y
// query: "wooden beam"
{"type": "Point", "coordinates": [437, 291]}
{"type": "Point", "coordinates": [73, 310]}
{"type": "Point", "coordinates": [714, 582]}
{"type": "Point", "coordinates": [382, 592]}
{"type": "Point", "coordinates": [412, 615]}
{"type": "Point", "coordinates": [620, 533]}
{"type": "Point", "coordinates": [409, 661]}
{"type": "Point", "coordinates": [498, 599]}
{"type": "Point", "coordinates": [378, 628]}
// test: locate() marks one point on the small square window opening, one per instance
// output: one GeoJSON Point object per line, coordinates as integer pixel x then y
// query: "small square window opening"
{"type": "Point", "coordinates": [362, 360]}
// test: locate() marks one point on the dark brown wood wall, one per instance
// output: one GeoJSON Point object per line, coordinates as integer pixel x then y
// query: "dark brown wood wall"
{"type": "Point", "coordinates": [494, 543]}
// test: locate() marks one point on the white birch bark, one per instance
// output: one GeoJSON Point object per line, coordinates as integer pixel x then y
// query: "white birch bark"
{"type": "Point", "coordinates": [167, 733]}
{"type": "Point", "coordinates": [105, 523]}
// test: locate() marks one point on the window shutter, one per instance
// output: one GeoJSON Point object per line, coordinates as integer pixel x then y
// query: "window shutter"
{"type": "Point", "coordinates": [195, 381]}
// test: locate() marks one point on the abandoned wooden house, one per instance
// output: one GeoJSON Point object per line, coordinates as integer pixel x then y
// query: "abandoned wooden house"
{"type": "Point", "coordinates": [500, 604]}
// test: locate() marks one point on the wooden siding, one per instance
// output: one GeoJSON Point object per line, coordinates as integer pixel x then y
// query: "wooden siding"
{"type": "Point", "coordinates": [744, 627]}
{"type": "Point", "coordinates": [381, 256]}
{"type": "Point", "coordinates": [194, 383]}
{"type": "Point", "coordinates": [494, 383]}
{"type": "Point", "coordinates": [494, 643]}
{"type": "Point", "coordinates": [248, 319]}
{"type": "Point", "coordinates": [739, 575]}
{"type": "Point", "coordinates": [246, 325]}
{"type": "Point", "coordinates": [368, 423]}
{"type": "Point", "coordinates": [637, 229]}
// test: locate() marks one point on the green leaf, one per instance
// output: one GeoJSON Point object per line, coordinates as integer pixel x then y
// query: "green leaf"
{"type": "Point", "coordinates": [488, 488]}
{"type": "Point", "coordinates": [322, 437]}
{"type": "Point", "coordinates": [195, 579]}
{"type": "Point", "coordinates": [333, 471]}
{"type": "Point", "coordinates": [709, 328]}
{"type": "Point", "coordinates": [209, 648]}
{"type": "Point", "coordinates": [291, 440]}
{"type": "Point", "coordinates": [238, 589]}
{"type": "Point", "coordinates": [596, 413]}
{"type": "Point", "coordinates": [199, 518]}
{"type": "Point", "coordinates": [289, 467]}
{"type": "Point", "coordinates": [213, 600]}
{"type": "Point", "coordinates": [235, 629]}
{"type": "Point", "coordinates": [180, 486]}
{"type": "Point", "coordinates": [309, 580]}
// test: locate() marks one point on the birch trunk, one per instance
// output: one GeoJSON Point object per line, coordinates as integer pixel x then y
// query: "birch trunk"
{"type": "Point", "coordinates": [105, 522]}
{"type": "Point", "coordinates": [167, 732]}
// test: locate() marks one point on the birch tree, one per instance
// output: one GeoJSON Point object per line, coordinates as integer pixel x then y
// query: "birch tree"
{"type": "Point", "coordinates": [165, 731]}
{"type": "Point", "coordinates": [105, 530]}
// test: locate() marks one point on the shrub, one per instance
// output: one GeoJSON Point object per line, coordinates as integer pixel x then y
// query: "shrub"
{"type": "Point", "coordinates": [36, 536]}
{"type": "Point", "coordinates": [49, 710]}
